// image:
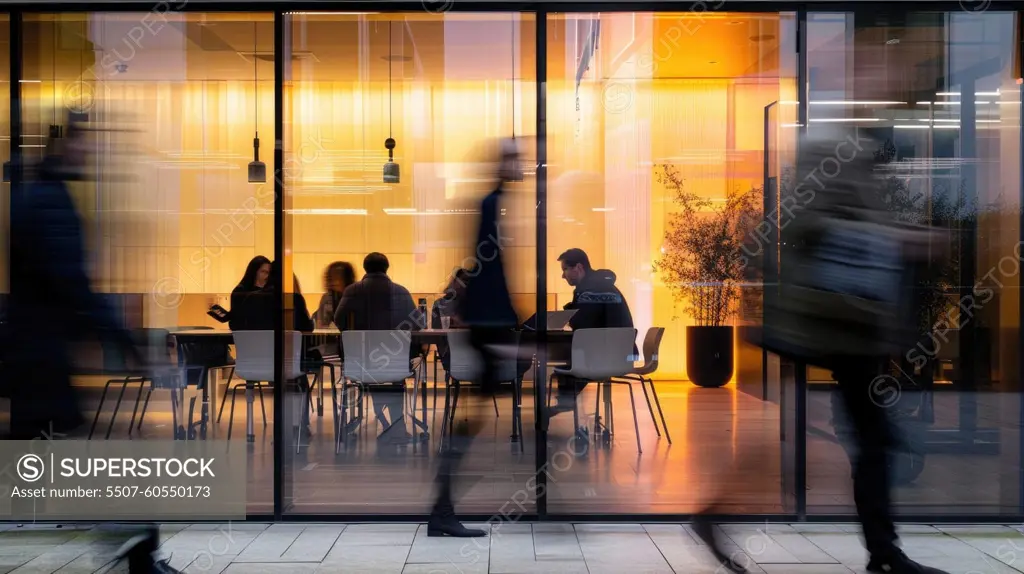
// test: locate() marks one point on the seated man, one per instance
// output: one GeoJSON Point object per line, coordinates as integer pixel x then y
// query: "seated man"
{"type": "Point", "coordinates": [376, 303]}
{"type": "Point", "coordinates": [599, 305]}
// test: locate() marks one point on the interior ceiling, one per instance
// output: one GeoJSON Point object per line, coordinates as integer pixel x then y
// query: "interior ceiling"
{"type": "Point", "coordinates": [435, 47]}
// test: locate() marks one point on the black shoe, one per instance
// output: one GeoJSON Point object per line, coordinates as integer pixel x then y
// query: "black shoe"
{"type": "Point", "coordinates": [706, 531]}
{"type": "Point", "coordinates": [164, 567]}
{"type": "Point", "coordinates": [448, 525]}
{"type": "Point", "coordinates": [898, 563]}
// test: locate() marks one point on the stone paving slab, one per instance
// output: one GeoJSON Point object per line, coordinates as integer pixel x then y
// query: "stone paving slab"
{"type": "Point", "coordinates": [300, 548]}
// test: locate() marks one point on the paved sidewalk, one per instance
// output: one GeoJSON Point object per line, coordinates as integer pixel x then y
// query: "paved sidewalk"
{"type": "Point", "coordinates": [293, 548]}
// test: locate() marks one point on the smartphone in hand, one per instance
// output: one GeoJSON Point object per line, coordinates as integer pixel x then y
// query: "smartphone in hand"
{"type": "Point", "coordinates": [219, 313]}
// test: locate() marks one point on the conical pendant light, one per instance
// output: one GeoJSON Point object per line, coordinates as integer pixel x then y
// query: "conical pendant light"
{"type": "Point", "coordinates": [391, 171]}
{"type": "Point", "coordinates": [257, 169]}
{"type": "Point", "coordinates": [515, 172]}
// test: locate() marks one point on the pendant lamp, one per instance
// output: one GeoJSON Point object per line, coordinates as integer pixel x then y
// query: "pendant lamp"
{"type": "Point", "coordinates": [257, 169]}
{"type": "Point", "coordinates": [391, 171]}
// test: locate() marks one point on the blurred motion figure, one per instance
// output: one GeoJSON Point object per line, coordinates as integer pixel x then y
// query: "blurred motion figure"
{"type": "Point", "coordinates": [845, 303]}
{"type": "Point", "coordinates": [491, 318]}
{"type": "Point", "coordinates": [52, 305]}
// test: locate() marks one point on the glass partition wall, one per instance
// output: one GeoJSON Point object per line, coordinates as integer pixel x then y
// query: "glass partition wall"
{"type": "Point", "coordinates": [640, 113]}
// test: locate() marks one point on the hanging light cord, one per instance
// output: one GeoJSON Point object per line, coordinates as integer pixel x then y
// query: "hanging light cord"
{"type": "Point", "coordinates": [391, 59]}
{"type": "Point", "coordinates": [55, 32]}
{"type": "Point", "coordinates": [513, 23]}
{"type": "Point", "coordinates": [255, 78]}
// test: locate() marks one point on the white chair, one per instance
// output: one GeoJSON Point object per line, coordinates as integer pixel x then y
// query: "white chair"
{"type": "Point", "coordinates": [466, 364]}
{"type": "Point", "coordinates": [254, 363]}
{"type": "Point", "coordinates": [642, 374]}
{"type": "Point", "coordinates": [373, 358]}
{"type": "Point", "coordinates": [601, 355]}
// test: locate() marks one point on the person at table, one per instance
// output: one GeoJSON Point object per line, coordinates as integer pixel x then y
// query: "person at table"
{"type": "Point", "coordinates": [257, 273]}
{"type": "Point", "coordinates": [338, 276]}
{"type": "Point", "coordinates": [448, 306]}
{"type": "Point", "coordinates": [599, 305]}
{"type": "Point", "coordinates": [376, 303]}
{"type": "Point", "coordinates": [254, 310]}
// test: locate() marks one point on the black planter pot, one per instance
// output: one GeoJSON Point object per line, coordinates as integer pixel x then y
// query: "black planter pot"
{"type": "Point", "coordinates": [709, 355]}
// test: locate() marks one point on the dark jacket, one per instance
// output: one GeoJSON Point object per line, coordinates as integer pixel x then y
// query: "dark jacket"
{"type": "Point", "coordinates": [598, 302]}
{"type": "Point", "coordinates": [376, 303]}
{"type": "Point", "coordinates": [51, 305]}
{"type": "Point", "coordinates": [488, 301]}
{"type": "Point", "coordinates": [254, 311]}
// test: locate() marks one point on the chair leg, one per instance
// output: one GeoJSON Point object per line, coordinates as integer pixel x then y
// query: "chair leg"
{"type": "Point", "coordinates": [650, 406]}
{"type": "Point", "coordinates": [145, 406]}
{"type": "Point", "coordinates": [99, 408]}
{"type": "Point", "coordinates": [231, 415]}
{"type": "Point", "coordinates": [494, 399]}
{"type": "Point", "coordinates": [174, 412]}
{"type": "Point", "coordinates": [117, 406]}
{"type": "Point", "coordinates": [224, 401]}
{"type": "Point", "coordinates": [263, 408]}
{"type": "Point", "coordinates": [660, 412]}
{"type": "Point", "coordinates": [597, 411]}
{"type": "Point", "coordinates": [135, 409]}
{"type": "Point", "coordinates": [636, 422]}
{"type": "Point", "coordinates": [575, 413]}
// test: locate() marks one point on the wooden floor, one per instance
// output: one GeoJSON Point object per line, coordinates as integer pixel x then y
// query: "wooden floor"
{"type": "Point", "coordinates": [724, 443]}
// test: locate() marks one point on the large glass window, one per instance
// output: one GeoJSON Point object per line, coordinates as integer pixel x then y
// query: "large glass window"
{"type": "Point", "coordinates": [657, 129]}
{"type": "Point", "coordinates": [941, 92]}
{"type": "Point", "coordinates": [170, 218]}
{"type": "Point", "coordinates": [445, 88]}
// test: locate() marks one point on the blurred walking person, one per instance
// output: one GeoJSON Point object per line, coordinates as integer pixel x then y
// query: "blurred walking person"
{"type": "Point", "coordinates": [52, 305]}
{"type": "Point", "coordinates": [488, 311]}
{"type": "Point", "coordinates": [846, 305]}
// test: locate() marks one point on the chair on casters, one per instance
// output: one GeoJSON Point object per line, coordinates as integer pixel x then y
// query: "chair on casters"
{"type": "Point", "coordinates": [602, 355]}
{"type": "Point", "coordinates": [465, 365]}
{"type": "Point", "coordinates": [642, 374]}
{"type": "Point", "coordinates": [254, 364]}
{"type": "Point", "coordinates": [387, 365]}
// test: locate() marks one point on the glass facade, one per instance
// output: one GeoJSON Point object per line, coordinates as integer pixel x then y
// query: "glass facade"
{"type": "Point", "coordinates": [621, 116]}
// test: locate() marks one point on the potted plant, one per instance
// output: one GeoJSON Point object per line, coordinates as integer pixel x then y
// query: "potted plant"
{"type": "Point", "coordinates": [703, 264]}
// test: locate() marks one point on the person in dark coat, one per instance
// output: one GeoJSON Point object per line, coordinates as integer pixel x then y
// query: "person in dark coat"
{"type": "Point", "coordinates": [52, 305]}
{"type": "Point", "coordinates": [376, 303]}
{"type": "Point", "coordinates": [492, 319]}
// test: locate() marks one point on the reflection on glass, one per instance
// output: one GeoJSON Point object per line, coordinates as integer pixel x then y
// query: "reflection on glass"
{"type": "Point", "coordinates": [939, 91]}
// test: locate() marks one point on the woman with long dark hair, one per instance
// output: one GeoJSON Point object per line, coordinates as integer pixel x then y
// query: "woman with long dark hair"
{"type": "Point", "coordinates": [257, 274]}
{"type": "Point", "coordinates": [338, 276]}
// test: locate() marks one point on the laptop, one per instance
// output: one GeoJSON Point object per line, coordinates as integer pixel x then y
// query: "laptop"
{"type": "Point", "coordinates": [557, 320]}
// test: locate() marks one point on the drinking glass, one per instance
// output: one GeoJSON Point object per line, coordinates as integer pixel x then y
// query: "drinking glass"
{"type": "Point", "coordinates": [446, 322]}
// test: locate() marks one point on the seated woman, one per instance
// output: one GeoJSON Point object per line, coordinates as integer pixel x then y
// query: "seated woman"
{"type": "Point", "coordinates": [338, 276]}
{"type": "Point", "coordinates": [257, 273]}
